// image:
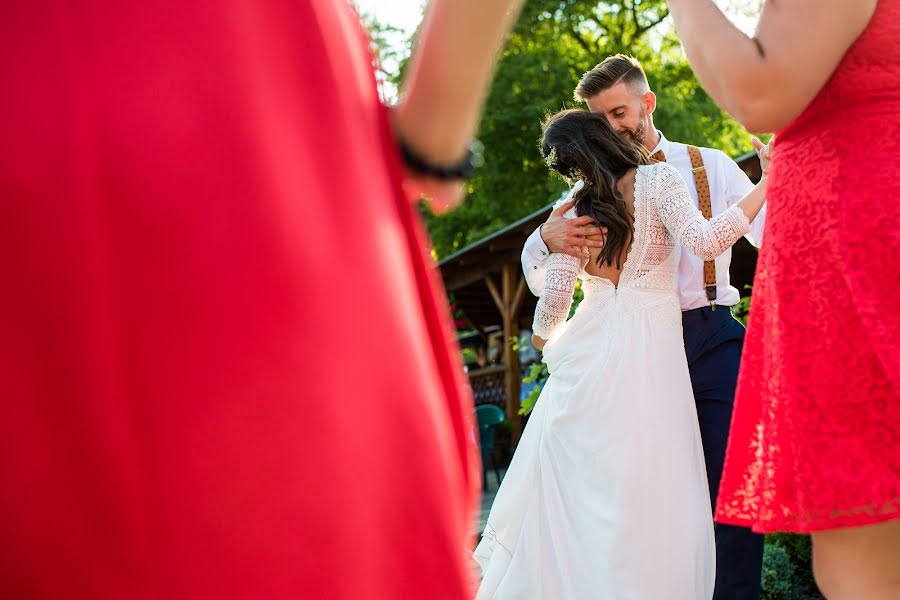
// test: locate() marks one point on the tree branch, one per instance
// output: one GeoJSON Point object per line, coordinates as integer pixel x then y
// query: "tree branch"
{"type": "Point", "coordinates": [581, 41]}
{"type": "Point", "coordinates": [622, 17]}
{"type": "Point", "coordinates": [641, 30]}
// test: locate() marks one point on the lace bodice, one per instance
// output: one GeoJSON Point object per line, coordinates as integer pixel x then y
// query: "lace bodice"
{"type": "Point", "coordinates": [664, 216]}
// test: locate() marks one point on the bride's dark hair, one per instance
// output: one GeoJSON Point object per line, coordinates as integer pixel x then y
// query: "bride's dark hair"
{"type": "Point", "coordinates": [582, 145]}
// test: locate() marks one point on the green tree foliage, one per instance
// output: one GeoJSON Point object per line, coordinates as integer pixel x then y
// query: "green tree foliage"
{"type": "Point", "coordinates": [391, 50]}
{"type": "Point", "coordinates": [553, 44]}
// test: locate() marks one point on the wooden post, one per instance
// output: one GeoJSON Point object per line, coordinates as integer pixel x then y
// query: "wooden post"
{"type": "Point", "coordinates": [508, 300]}
{"type": "Point", "coordinates": [511, 281]}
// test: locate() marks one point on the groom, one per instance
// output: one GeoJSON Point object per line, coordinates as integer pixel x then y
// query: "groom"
{"type": "Point", "coordinates": [617, 88]}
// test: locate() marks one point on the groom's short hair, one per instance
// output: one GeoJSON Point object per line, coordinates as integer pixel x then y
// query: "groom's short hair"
{"type": "Point", "coordinates": [613, 70]}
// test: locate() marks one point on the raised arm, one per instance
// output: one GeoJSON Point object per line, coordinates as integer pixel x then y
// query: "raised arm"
{"type": "Point", "coordinates": [737, 187]}
{"type": "Point", "coordinates": [766, 81]}
{"type": "Point", "coordinates": [556, 297]}
{"type": "Point", "coordinates": [445, 84]}
{"type": "Point", "coordinates": [705, 239]}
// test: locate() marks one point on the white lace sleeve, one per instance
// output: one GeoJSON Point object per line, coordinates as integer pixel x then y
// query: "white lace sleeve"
{"type": "Point", "coordinates": [556, 297]}
{"type": "Point", "coordinates": [705, 239]}
{"type": "Point", "coordinates": [535, 252]}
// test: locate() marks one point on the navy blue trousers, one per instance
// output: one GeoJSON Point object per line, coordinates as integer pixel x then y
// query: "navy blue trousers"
{"type": "Point", "coordinates": [713, 340]}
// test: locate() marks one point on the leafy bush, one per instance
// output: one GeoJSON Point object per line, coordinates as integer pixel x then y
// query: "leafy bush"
{"type": "Point", "coordinates": [779, 577]}
{"type": "Point", "coordinates": [537, 375]}
{"type": "Point", "coordinates": [799, 549]}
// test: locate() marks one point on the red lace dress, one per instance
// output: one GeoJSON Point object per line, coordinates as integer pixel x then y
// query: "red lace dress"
{"type": "Point", "coordinates": [224, 359]}
{"type": "Point", "coordinates": [815, 438]}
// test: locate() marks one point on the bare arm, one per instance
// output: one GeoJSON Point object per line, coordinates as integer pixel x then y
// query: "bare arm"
{"type": "Point", "coordinates": [766, 81]}
{"type": "Point", "coordinates": [752, 203]}
{"type": "Point", "coordinates": [446, 82]}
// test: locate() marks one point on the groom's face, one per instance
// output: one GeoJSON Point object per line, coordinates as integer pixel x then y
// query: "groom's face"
{"type": "Point", "coordinates": [624, 108]}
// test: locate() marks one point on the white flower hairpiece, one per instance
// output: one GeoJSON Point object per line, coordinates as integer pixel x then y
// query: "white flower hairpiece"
{"type": "Point", "coordinates": [551, 157]}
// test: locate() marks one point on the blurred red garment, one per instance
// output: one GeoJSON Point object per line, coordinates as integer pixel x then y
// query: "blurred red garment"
{"type": "Point", "coordinates": [226, 368]}
{"type": "Point", "coordinates": [815, 436]}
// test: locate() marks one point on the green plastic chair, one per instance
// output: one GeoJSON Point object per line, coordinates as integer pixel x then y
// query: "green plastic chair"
{"type": "Point", "coordinates": [489, 417]}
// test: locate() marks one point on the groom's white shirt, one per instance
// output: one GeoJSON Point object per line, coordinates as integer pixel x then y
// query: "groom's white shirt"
{"type": "Point", "coordinates": [727, 185]}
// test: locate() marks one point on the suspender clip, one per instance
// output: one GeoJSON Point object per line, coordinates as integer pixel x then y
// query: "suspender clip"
{"type": "Point", "coordinates": [711, 295]}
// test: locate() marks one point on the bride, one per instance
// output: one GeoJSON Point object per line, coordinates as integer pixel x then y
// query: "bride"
{"type": "Point", "coordinates": [606, 496]}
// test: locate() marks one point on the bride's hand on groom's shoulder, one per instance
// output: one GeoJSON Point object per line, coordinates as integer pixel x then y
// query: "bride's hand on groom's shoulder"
{"type": "Point", "coordinates": [571, 236]}
{"type": "Point", "coordinates": [765, 152]}
{"type": "Point", "coordinates": [538, 342]}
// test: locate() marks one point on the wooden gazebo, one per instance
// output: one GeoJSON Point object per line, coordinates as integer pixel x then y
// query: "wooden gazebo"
{"type": "Point", "coordinates": [486, 282]}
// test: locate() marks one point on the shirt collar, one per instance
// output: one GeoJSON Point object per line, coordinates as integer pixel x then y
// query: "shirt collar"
{"type": "Point", "coordinates": [663, 144]}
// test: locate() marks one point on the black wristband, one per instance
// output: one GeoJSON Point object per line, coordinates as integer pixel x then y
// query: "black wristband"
{"type": "Point", "coordinates": [461, 170]}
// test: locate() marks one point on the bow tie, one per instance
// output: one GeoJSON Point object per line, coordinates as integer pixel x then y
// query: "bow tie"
{"type": "Point", "coordinates": [658, 156]}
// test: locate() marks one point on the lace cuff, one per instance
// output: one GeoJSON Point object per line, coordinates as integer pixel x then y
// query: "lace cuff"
{"type": "Point", "coordinates": [556, 297]}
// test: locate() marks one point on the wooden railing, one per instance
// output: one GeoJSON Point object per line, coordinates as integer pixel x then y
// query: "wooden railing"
{"type": "Point", "coordinates": [489, 385]}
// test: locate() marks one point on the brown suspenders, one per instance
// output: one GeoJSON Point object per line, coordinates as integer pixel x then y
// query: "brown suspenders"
{"type": "Point", "coordinates": [702, 184]}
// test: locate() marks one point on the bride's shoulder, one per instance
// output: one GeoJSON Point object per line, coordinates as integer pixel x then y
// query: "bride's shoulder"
{"type": "Point", "coordinates": [660, 174]}
{"type": "Point", "coordinates": [569, 214]}
{"type": "Point", "coordinates": [658, 169]}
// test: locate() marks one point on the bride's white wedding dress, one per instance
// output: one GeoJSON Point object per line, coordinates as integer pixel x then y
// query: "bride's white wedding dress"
{"type": "Point", "coordinates": [606, 496]}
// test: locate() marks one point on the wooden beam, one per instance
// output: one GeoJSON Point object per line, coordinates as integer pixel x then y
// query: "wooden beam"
{"type": "Point", "coordinates": [460, 278]}
{"type": "Point", "coordinates": [477, 329]}
{"type": "Point", "coordinates": [517, 300]}
{"type": "Point", "coordinates": [498, 299]}
{"type": "Point", "coordinates": [503, 244]}
{"type": "Point", "coordinates": [506, 280]}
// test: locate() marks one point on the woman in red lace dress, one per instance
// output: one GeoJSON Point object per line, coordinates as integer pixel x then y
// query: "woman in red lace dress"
{"type": "Point", "coordinates": [225, 369]}
{"type": "Point", "coordinates": [815, 438]}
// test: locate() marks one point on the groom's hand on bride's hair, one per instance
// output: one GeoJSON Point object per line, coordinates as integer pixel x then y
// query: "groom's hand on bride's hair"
{"type": "Point", "coordinates": [571, 236]}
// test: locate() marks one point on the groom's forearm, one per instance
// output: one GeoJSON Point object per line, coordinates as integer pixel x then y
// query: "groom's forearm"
{"type": "Point", "coordinates": [534, 258]}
